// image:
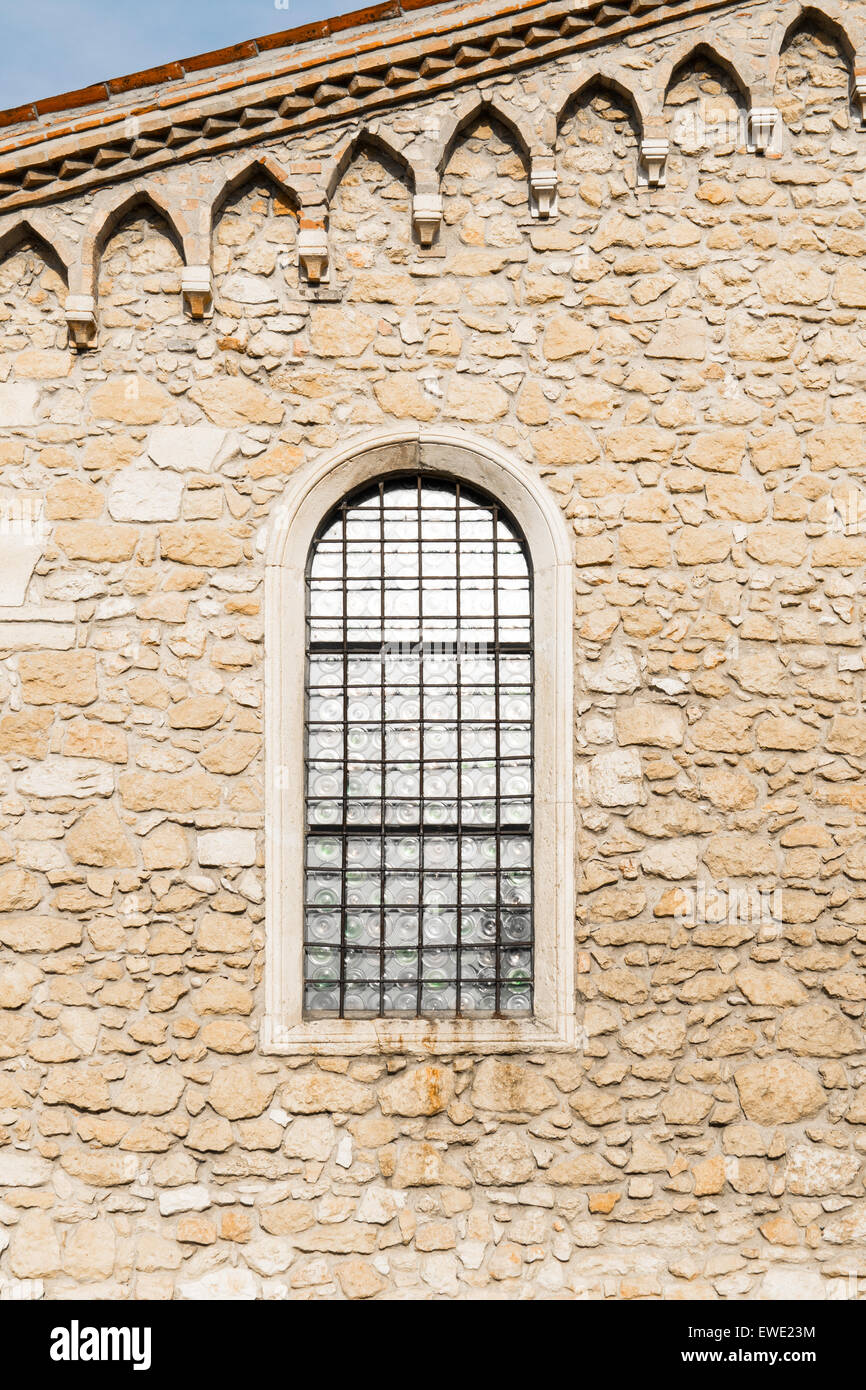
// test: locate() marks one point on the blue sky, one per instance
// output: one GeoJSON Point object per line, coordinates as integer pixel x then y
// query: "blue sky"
{"type": "Point", "coordinates": [53, 46]}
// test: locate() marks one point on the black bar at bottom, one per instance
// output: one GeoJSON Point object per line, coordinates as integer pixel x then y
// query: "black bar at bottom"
{"type": "Point", "coordinates": [648, 1337]}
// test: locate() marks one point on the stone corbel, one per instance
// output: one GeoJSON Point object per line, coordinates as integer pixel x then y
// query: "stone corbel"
{"type": "Point", "coordinates": [313, 251]}
{"type": "Point", "coordinates": [196, 286]}
{"type": "Point", "coordinates": [652, 163]}
{"type": "Point", "coordinates": [542, 186]}
{"type": "Point", "coordinates": [80, 314]}
{"type": "Point", "coordinates": [427, 216]}
{"type": "Point", "coordinates": [763, 122]}
{"type": "Point", "coordinates": [860, 93]}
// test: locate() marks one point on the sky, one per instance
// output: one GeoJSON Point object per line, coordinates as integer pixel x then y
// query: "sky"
{"type": "Point", "coordinates": [54, 46]}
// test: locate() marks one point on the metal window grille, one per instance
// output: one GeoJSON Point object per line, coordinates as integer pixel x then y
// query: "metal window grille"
{"type": "Point", "coordinates": [418, 898]}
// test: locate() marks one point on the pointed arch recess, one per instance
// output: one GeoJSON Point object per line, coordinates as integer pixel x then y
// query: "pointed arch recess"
{"type": "Point", "coordinates": [108, 216]}
{"type": "Point", "coordinates": [821, 17]}
{"type": "Point", "coordinates": [32, 227]}
{"type": "Point", "coordinates": [244, 172]}
{"type": "Point", "coordinates": [377, 141]}
{"type": "Point", "coordinates": [718, 55]}
{"type": "Point", "coordinates": [469, 110]}
{"type": "Point", "coordinates": [605, 75]}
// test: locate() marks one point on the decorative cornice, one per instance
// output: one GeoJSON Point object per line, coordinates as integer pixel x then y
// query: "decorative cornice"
{"type": "Point", "coordinates": [190, 199]}
{"type": "Point", "coordinates": [290, 83]}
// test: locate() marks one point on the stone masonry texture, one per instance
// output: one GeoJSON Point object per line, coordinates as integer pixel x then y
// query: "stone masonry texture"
{"type": "Point", "coordinates": [683, 364]}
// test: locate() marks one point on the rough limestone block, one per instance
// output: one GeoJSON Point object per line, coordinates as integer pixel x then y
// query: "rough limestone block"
{"type": "Point", "coordinates": [217, 847]}
{"type": "Point", "coordinates": [76, 777]}
{"type": "Point", "coordinates": [248, 289]}
{"type": "Point", "coordinates": [146, 494]}
{"type": "Point", "coordinates": [18, 403]}
{"type": "Point", "coordinates": [186, 448]}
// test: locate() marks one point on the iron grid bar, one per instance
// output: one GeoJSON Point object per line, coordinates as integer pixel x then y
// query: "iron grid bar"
{"type": "Point", "coordinates": [345, 846]}
{"type": "Point", "coordinates": [459, 731]}
{"type": "Point", "coordinates": [345, 648]}
{"type": "Point", "coordinates": [382, 847]}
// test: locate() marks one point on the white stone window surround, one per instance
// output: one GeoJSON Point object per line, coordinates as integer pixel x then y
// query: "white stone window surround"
{"type": "Point", "coordinates": [310, 495]}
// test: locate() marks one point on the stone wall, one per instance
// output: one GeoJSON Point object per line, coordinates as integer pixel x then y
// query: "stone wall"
{"type": "Point", "coordinates": [683, 367]}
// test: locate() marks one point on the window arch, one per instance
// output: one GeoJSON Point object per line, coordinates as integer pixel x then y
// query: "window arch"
{"type": "Point", "coordinates": [418, 737]}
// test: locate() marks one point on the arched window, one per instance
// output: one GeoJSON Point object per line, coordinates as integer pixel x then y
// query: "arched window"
{"type": "Point", "coordinates": [419, 756]}
{"type": "Point", "coordinates": [419, 844]}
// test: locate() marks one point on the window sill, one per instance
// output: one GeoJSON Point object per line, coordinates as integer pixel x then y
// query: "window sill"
{"type": "Point", "coordinates": [354, 1037]}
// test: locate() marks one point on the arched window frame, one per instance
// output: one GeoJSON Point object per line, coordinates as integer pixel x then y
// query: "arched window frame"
{"type": "Point", "coordinates": [309, 498]}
